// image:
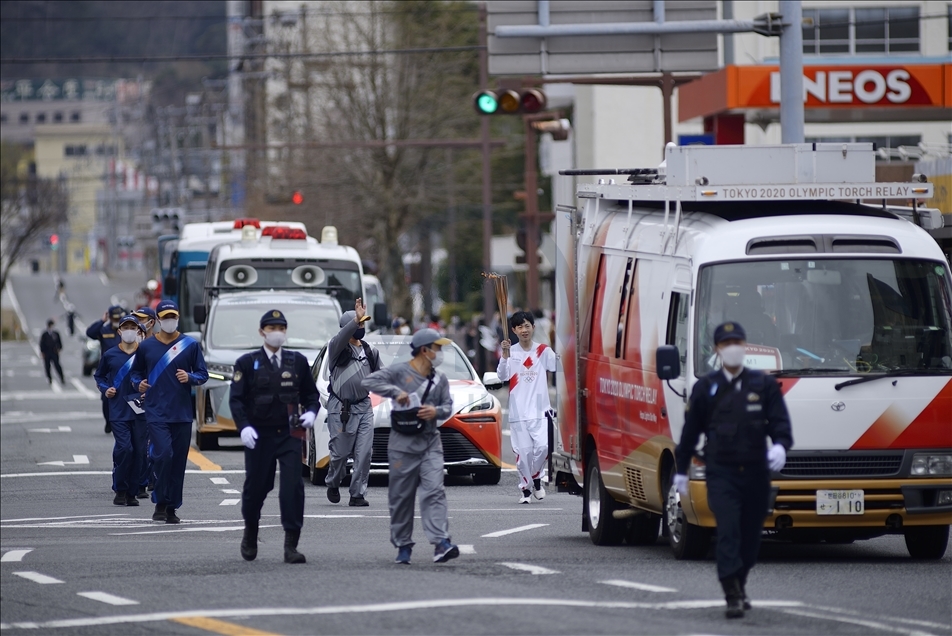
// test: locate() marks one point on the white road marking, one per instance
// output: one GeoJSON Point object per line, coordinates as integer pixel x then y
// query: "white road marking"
{"type": "Point", "coordinates": [15, 555]}
{"type": "Point", "coordinates": [229, 502]}
{"type": "Point", "coordinates": [36, 577]}
{"type": "Point", "coordinates": [55, 387]}
{"type": "Point", "coordinates": [58, 429]}
{"type": "Point", "coordinates": [638, 586]}
{"type": "Point", "coordinates": [230, 491]}
{"type": "Point", "coordinates": [77, 460]}
{"type": "Point", "coordinates": [105, 597]}
{"type": "Point", "coordinates": [219, 480]}
{"type": "Point", "coordinates": [531, 569]}
{"type": "Point", "coordinates": [82, 388]}
{"type": "Point", "coordinates": [511, 509]}
{"type": "Point", "coordinates": [502, 533]}
{"type": "Point", "coordinates": [104, 279]}
{"type": "Point", "coordinates": [466, 549]}
{"type": "Point", "coordinates": [506, 433]}
{"type": "Point", "coordinates": [221, 529]}
{"type": "Point", "coordinates": [856, 621]}
{"type": "Point", "coordinates": [60, 518]}
{"type": "Point", "coordinates": [73, 473]}
{"type": "Point", "coordinates": [911, 621]}
{"type": "Point", "coordinates": [29, 417]}
{"type": "Point", "coordinates": [19, 396]}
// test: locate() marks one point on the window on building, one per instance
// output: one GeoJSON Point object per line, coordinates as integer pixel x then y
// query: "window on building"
{"type": "Point", "coordinates": [58, 117]}
{"type": "Point", "coordinates": [103, 150]}
{"type": "Point", "coordinates": [24, 118]}
{"type": "Point", "coordinates": [79, 150]}
{"type": "Point", "coordinates": [861, 30]}
{"type": "Point", "coordinates": [41, 118]}
{"type": "Point", "coordinates": [74, 116]}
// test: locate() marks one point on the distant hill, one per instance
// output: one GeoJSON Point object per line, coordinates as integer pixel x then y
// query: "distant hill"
{"type": "Point", "coordinates": [84, 28]}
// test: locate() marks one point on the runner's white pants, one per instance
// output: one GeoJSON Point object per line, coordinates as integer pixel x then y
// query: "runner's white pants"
{"type": "Point", "coordinates": [530, 443]}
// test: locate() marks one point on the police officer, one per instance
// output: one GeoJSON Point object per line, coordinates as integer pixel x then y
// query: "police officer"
{"type": "Point", "coordinates": [268, 389]}
{"type": "Point", "coordinates": [350, 416]}
{"type": "Point", "coordinates": [106, 332]}
{"type": "Point", "coordinates": [737, 409]}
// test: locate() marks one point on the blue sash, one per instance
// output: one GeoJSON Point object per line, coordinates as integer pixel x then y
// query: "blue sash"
{"type": "Point", "coordinates": [174, 351]}
{"type": "Point", "coordinates": [123, 372]}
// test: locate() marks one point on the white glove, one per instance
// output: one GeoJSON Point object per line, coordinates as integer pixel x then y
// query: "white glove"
{"type": "Point", "coordinates": [248, 436]}
{"type": "Point", "coordinates": [681, 483]}
{"type": "Point", "coordinates": [776, 457]}
{"type": "Point", "coordinates": [307, 419]}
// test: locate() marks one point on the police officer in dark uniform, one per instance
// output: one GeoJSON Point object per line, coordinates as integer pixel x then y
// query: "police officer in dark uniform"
{"type": "Point", "coordinates": [737, 409]}
{"type": "Point", "coordinates": [268, 390]}
{"type": "Point", "coordinates": [106, 332]}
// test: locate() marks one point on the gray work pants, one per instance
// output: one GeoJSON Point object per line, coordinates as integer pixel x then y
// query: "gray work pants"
{"type": "Point", "coordinates": [411, 473]}
{"type": "Point", "coordinates": [355, 439]}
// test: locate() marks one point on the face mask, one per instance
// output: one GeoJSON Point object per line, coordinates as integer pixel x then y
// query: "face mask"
{"type": "Point", "coordinates": [169, 325]}
{"type": "Point", "coordinates": [437, 358]}
{"type": "Point", "coordinates": [359, 333]}
{"type": "Point", "coordinates": [275, 339]}
{"type": "Point", "coordinates": [128, 335]}
{"type": "Point", "coordinates": [404, 331]}
{"type": "Point", "coordinates": [733, 355]}
{"type": "Point", "coordinates": [139, 337]}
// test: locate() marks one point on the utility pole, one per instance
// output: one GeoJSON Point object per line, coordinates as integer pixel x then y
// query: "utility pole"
{"type": "Point", "coordinates": [487, 179]}
{"type": "Point", "coordinates": [533, 219]}
{"type": "Point", "coordinates": [791, 72]}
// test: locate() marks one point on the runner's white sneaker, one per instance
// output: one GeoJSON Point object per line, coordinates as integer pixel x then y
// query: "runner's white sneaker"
{"type": "Point", "coordinates": [537, 490]}
{"type": "Point", "coordinates": [526, 497]}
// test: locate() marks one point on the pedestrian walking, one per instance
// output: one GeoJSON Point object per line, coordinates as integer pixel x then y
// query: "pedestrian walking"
{"type": "Point", "coordinates": [127, 430]}
{"type": "Point", "coordinates": [268, 391]}
{"type": "Point", "coordinates": [147, 321]}
{"type": "Point", "coordinates": [420, 400]}
{"type": "Point", "coordinates": [524, 367]}
{"type": "Point", "coordinates": [737, 409]}
{"type": "Point", "coordinates": [165, 369]}
{"type": "Point", "coordinates": [50, 346]}
{"type": "Point", "coordinates": [106, 332]}
{"type": "Point", "coordinates": [350, 416]}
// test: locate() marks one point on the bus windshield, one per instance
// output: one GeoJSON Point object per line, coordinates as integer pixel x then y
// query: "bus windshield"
{"type": "Point", "coordinates": [190, 292]}
{"type": "Point", "coordinates": [832, 316]}
{"type": "Point", "coordinates": [235, 326]}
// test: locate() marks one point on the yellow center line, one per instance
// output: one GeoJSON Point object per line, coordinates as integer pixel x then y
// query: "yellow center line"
{"type": "Point", "coordinates": [201, 461]}
{"type": "Point", "coordinates": [220, 627]}
{"type": "Point", "coordinates": [507, 466]}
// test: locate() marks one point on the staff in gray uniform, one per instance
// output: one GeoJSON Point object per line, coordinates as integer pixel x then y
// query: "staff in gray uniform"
{"type": "Point", "coordinates": [416, 460]}
{"type": "Point", "coordinates": [350, 417]}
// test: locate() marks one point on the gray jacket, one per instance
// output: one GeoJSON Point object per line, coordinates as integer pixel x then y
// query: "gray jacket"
{"type": "Point", "coordinates": [392, 381]}
{"type": "Point", "coordinates": [346, 380]}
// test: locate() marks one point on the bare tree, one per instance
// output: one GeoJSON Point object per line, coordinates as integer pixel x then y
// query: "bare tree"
{"type": "Point", "coordinates": [29, 207]}
{"type": "Point", "coordinates": [383, 192]}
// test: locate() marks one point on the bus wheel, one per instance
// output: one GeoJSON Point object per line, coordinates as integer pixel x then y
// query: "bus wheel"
{"type": "Point", "coordinates": [688, 542]}
{"type": "Point", "coordinates": [602, 527]}
{"type": "Point", "coordinates": [927, 542]}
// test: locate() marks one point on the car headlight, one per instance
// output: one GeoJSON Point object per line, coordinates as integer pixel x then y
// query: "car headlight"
{"type": "Point", "coordinates": [484, 404]}
{"type": "Point", "coordinates": [931, 465]}
{"type": "Point", "coordinates": [221, 371]}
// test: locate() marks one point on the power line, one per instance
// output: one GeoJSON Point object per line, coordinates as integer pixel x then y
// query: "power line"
{"type": "Point", "coordinates": [316, 13]}
{"type": "Point", "coordinates": [225, 56]}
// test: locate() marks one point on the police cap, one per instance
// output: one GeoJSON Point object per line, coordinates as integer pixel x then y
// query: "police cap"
{"type": "Point", "coordinates": [116, 312]}
{"type": "Point", "coordinates": [728, 331]}
{"type": "Point", "coordinates": [273, 317]}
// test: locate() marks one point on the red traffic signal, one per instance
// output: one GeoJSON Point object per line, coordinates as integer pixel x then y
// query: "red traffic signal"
{"type": "Point", "coordinates": [54, 241]}
{"type": "Point", "coordinates": [297, 198]}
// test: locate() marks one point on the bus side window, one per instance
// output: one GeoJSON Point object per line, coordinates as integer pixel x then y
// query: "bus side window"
{"type": "Point", "coordinates": [677, 333]}
{"type": "Point", "coordinates": [595, 342]}
{"type": "Point", "coordinates": [623, 307]}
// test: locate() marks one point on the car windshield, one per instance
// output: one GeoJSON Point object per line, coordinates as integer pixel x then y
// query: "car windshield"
{"type": "Point", "coordinates": [235, 326]}
{"type": "Point", "coordinates": [454, 367]}
{"type": "Point", "coordinates": [836, 315]}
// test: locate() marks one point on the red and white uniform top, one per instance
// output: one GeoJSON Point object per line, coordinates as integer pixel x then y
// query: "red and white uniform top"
{"type": "Point", "coordinates": [528, 387]}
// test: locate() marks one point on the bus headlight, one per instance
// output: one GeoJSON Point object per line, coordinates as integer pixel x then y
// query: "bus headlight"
{"type": "Point", "coordinates": [931, 465]}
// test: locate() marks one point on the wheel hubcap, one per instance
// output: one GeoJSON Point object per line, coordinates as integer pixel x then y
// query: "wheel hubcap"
{"type": "Point", "coordinates": [594, 498]}
{"type": "Point", "coordinates": [673, 515]}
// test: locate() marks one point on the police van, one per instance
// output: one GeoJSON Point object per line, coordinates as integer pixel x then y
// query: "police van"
{"type": "Point", "coordinates": [844, 298]}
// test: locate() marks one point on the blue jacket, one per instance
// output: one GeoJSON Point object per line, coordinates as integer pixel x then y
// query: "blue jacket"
{"type": "Point", "coordinates": [103, 332]}
{"type": "Point", "coordinates": [110, 364]}
{"type": "Point", "coordinates": [167, 399]}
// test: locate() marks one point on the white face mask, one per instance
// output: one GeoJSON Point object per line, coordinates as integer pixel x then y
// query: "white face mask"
{"type": "Point", "coordinates": [129, 335]}
{"type": "Point", "coordinates": [275, 339]}
{"type": "Point", "coordinates": [733, 355]}
{"type": "Point", "coordinates": [139, 337]}
{"type": "Point", "coordinates": [404, 330]}
{"type": "Point", "coordinates": [169, 325]}
{"type": "Point", "coordinates": [437, 358]}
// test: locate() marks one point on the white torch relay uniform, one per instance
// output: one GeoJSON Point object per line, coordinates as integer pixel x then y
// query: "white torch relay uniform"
{"type": "Point", "coordinates": [528, 403]}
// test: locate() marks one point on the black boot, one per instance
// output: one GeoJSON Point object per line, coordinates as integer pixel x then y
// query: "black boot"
{"type": "Point", "coordinates": [734, 597]}
{"type": "Point", "coordinates": [291, 555]}
{"type": "Point", "coordinates": [742, 578]}
{"type": "Point", "coordinates": [249, 541]}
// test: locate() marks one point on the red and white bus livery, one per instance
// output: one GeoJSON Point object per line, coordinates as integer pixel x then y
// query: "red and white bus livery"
{"type": "Point", "coordinates": [849, 305]}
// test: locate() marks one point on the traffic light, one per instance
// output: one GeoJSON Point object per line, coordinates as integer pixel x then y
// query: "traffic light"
{"type": "Point", "coordinates": [54, 242]}
{"type": "Point", "coordinates": [509, 102]}
{"type": "Point", "coordinates": [297, 198]}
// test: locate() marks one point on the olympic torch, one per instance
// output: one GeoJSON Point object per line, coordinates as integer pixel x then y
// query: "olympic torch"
{"type": "Point", "coordinates": [501, 287]}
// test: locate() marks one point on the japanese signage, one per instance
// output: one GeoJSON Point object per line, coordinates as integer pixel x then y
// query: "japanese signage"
{"type": "Point", "coordinates": [52, 90]}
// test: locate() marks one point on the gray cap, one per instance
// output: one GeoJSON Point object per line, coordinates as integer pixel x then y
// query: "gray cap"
{"type": "Point", "coordinates": [347, 316]}
{"type": "Point", "coordinates": [426, 337]}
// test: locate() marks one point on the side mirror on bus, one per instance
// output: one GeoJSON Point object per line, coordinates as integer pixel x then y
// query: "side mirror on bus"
{"type": "Point", "coordinates": [381, 317]}
{"type": "Point", "coordinates": [668, 362]}
{"type": "Point", "coordinates": [198, 313]}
